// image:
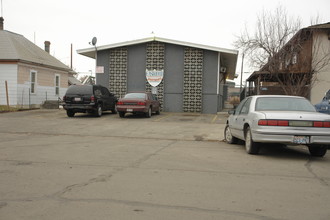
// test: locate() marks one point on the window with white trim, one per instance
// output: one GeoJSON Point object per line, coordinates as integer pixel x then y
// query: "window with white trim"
{"type": "Point", "coordinates": [57, 84]}
{"type": "Point", "coordinates": [294, 58]}
{"type": "Point", "coordinates": [33, 81]}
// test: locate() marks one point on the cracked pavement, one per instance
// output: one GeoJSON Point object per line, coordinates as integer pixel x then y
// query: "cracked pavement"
{"type": "Point", "coordinates": [169, 166]}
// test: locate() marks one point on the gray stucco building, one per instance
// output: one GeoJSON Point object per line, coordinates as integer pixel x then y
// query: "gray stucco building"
{"type": "Point", "coordinates": [193, 74]}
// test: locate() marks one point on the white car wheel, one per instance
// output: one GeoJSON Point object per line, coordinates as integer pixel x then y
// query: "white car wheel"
{"type": "Point", "coordinates": [251, 147]}
{"type": "Point", "coordinates": [318, 151]}
{"type": "Point", "coordinates": [230, 139]}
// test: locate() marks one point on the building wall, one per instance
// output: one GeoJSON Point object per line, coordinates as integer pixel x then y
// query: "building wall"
{"type": "Point", "coordinates": [103, 58]}
{"type": "Point", "coordinates": [136, 74]}
{"type": "Point", "coordinates": [210, 82]}
{"type": "Point", "coordinates": [8, 72]}
{"type": "Point", "coordinates": [190, 80]}
{"type": "Point", "coordinates": [173, 78]}
{"type": "Point", "coordinates": [321, 49]}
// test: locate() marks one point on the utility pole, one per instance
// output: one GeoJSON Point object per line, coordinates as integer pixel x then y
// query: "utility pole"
{"type": "Point", "coordinates": [241, 86]}
{"type": "Point", "coordinates": [71, 58]}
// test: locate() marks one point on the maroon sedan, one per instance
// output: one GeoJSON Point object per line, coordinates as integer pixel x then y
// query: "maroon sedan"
{"type": "Point", "coordinates": [138, 102]}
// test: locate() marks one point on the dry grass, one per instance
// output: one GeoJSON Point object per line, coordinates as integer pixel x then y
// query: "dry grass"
{"type": "Point", "coordinates": [4, 108]}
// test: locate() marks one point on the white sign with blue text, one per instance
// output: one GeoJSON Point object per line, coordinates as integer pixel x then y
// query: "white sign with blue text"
{"type": "Point", "coordinates": [154, 77]}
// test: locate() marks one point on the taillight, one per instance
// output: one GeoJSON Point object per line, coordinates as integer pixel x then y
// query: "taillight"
{"type": "Point", "coordinates": [264, 122]}
{"type": "Point", "coordinates": [321, 124]}
{"type": "Point", "coordinates": [120, 103]}
{"type": "Point", "coordinates": [141, 103]}
{"type": "Point", "coordinates": [92, 98]}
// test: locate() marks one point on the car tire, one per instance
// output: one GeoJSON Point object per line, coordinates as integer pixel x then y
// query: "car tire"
{"type": "Point", "coordinates": [229, 138]}
{"type": "Point", "coordinates": [148, 114]}
{"type": "Point", "coordinates": [318, 150]}
{"type": "Point", "coordinates": [70, 113]}
{"type": "Point", "coordinates": [121, 114]}
{"type": "Point", "coordinates": [99, 111]}
{"type": "Point", "coordinates": [251, 147]}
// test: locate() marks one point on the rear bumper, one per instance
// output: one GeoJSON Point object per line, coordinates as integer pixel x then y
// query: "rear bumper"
{"type": "Point", "coordinates": [288, 138]}
{"type": "Point", "coordinates": [79, 107]}
{"type": "Point", "coordinates": [131, 109]}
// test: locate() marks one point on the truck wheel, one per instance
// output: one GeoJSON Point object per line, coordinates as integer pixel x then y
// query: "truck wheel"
{"type": "Point", "coordinates": [114, 111]}
{"type": "Point", "coordinates": [70, 113]}
{"type": "Point", "coordinates": [99, 111]}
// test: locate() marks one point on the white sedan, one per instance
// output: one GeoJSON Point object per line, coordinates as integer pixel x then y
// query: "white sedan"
{"type": "Point", "coordinates": [289, 120]}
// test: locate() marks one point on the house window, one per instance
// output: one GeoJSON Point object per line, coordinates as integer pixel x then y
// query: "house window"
{"type": "Point", "coordinates": [57, 85]}
{"type": "Point", "coordinates": [33, 80]}
{"type": "Point", "coordinates": [294, 58]}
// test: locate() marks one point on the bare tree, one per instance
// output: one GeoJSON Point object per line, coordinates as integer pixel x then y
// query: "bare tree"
{"type": "Point", "coordinates": [289, 56]}
{"type": "Point", "coordinates": [273, 30]}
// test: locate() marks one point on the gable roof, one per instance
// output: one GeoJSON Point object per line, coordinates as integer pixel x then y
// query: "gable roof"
{"type": "Point", "coordinates": [228, 56]}
{"type": "Point", "coordinates": [15, 47]}
{"type": "Point", "coordinates": [90, 52]}
{"type": "Point", "coordinates": [321, 26]}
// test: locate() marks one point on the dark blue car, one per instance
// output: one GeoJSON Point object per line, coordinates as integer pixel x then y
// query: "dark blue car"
{"type": "Point", "coordinates": [324, 106]}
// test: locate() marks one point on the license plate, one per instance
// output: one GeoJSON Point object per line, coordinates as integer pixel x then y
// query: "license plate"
{"type": "Point", "coordinates": [301, 123]}
{"type": "Point", "coordinates": [301, 139]}
{"type": "Point", "coordinates": [77, 99]}
{"type": "Point", "coordinates": [129, 110]}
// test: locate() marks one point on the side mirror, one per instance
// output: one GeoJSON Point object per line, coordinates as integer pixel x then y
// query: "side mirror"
{"type": "Point", "coordinates": [231, 112]}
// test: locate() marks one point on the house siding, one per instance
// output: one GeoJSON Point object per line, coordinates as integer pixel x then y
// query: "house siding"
{"type": "Point", "coordinates": [322, 81]}
{"type": "Point", "coordinates": [8, 72]}
{"type": "Point", "coordinates": [45, 85]}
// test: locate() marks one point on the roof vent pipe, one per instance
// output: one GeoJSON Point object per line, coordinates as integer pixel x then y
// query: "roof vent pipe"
{"type": "Point", "coordinates": [47, 46]}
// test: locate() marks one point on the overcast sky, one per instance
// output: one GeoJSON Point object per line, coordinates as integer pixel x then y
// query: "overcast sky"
{"type": "Point", "coordinates": [210, 22]}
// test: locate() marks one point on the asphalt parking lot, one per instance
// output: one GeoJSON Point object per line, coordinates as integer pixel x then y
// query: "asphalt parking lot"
{"type": "Point", "coordinates": [169, 166]}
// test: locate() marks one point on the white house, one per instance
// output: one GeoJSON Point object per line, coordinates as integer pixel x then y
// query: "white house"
{"type": "Point", "coordinates": [32, 75]}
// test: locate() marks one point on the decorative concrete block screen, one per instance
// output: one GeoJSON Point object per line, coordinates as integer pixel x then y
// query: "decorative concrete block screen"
{"type": "Point", "coordinates": [118, 71]}
{"type": "Point", "coordinates": [155, 61]}
{"type": "Point", "coordinates": [193, 72]}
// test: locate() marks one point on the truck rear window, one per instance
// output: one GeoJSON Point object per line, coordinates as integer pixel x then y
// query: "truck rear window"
{"type": "Point", "coordinates": [82, 90]}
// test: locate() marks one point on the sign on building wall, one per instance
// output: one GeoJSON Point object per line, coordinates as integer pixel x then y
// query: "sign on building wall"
{"type": "Point", "coordinates": [154, 77]}
{"type": "Point", "coordinates": [99, 69]}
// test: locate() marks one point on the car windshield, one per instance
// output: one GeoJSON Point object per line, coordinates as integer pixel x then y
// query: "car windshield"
{"type": "Point", "coordinates": [283, 104]}
{"type": "Point", "coordinates": [135, 96]}
{"type": "Point", "coordinates": [81, 90]}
